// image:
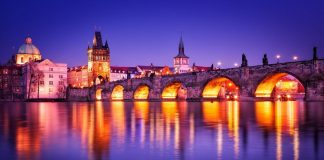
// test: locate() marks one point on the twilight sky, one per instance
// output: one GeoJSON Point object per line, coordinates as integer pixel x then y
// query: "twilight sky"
{"type": "Point", "coordinates": [145, 31]}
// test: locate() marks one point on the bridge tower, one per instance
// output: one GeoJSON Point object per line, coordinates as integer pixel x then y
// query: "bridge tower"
{"type": "Point", "coordinates": [181, 61]}
{"type": "Point", "coordinates": [98, 61]}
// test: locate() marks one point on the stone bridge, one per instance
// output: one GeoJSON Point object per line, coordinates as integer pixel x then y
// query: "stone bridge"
{"type": "Point", "coordinates": [251, 83]}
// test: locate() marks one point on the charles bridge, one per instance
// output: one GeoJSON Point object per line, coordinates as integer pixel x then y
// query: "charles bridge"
{"type": "Point", "coordinates": [253, 83]}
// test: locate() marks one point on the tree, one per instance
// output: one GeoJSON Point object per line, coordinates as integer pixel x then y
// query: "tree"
{"type": "Point", "coordinates": [35, 76]}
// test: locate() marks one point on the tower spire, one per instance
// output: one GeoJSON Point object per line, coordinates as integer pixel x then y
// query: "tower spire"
{"type": "Point", "coordinates": [106, 44]}
{"type": "Point", "coordinates": [97, 40]}
{"type": "Point", "coordinates": [181, 53]}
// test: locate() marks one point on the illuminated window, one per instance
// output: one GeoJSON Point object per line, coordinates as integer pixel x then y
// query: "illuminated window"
{"type": "Point", "coordinates": [5, 71]}
{"type": "Point", "coordinates": [50, 89]}
{"type": "Point", "coordinates": [22, 59]}
{"type": "Point", "coordinates": [50, 82]}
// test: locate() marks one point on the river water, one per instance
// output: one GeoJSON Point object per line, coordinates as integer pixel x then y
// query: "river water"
{"type": "Point", "coordinates": [162, 130]}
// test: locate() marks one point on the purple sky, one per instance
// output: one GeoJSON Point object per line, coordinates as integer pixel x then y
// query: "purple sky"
{"type": "Point", "coordinates": [141, 32]}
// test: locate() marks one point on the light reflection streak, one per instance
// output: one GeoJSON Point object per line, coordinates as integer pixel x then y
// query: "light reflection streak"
{"type": "Point", "coordinates": [278, 131]}
{"type": "Point", "coordinates": [142, 113]}
{"type": "Point", "coordinates": [219, 140]}
{"type": "Point", "coordinates": [118, 121]}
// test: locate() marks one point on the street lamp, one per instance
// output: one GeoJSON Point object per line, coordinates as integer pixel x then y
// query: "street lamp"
{"type": "Point", "coordinates": [278, 57]}
{"type": "Point", "coordinates": [219, 64]}
{"type": "Point", "coordinates": [235, 64]}
{"type": "Point", "coordinates": [295, 58]}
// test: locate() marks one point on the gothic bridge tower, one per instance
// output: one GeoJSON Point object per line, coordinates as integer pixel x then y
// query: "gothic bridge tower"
{"type": "Point", "coordinates": [98, 61]}
{"type": "Point", "coordinates": [181, 61]}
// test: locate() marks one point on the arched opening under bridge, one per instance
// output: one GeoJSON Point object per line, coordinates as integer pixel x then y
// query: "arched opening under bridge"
{"type": "Point", "coordinates": [117, 93]}
{"type": "Point", "coordinates": [221, 88]}
{"type": "Point", "coordinates": [98, 94]}
{"type": "Point", "coordinates": [99, 80]}
{"type": "Point", "coordinates": [142, 92]}
{"type": "Point", "coordinates": [174, 91]}
{"type": "Point", "coordinates": [280, 86]}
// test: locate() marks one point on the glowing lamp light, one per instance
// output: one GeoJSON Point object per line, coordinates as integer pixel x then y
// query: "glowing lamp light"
{"type": "Point", "coordinates": [288, 96]}
{"type": "Point", "coordinates": [235, 97]}
{"type": "Point", "coordinates": [295, 58]}
{"type": "Point", "coordinates": [235, 64]}
{"type": "Point", "coordinates": [278, 96]}
{"type": "Point", "coordinates": [227, 97]}
{"type": "Point", "coordinates": [219, 63]}
{"type": "Point", "coordinates": [278, 57]}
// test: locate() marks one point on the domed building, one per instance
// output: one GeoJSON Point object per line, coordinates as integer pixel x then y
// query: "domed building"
{"type": "Point", "coordinates": [27, 52]}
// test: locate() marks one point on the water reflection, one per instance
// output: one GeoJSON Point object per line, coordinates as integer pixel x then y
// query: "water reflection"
{"type": "Point", "coordinates": [162, 130]}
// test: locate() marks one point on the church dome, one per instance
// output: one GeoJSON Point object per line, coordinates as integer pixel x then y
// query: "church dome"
{"type": "Point", "coordinates": [28, 47]}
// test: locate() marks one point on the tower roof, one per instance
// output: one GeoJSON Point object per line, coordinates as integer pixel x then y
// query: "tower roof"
{"type": "Point", "coordinates": [181, 53]}
{"type": "Point", "coordinates": [97, 40]}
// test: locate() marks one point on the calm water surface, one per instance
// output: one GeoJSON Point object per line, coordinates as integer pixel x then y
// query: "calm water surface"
{"type": "Point", "coordinates": [162, 130]}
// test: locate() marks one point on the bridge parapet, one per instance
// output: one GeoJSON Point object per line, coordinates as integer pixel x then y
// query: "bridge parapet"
{"type": "Point", "coordinates": [309, 73]}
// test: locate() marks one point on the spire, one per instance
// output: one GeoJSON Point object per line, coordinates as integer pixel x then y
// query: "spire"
{"type": "Point", "coordinates": [97, 40]}
{"type": "Point", "coordinates": [181, 53]}
{"type": "Point", "coordinates": [106, 45]}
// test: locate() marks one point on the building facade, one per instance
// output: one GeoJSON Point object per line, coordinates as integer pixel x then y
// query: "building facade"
{"type": "Point", "coordinates": [147, 71]}
{"type": "Point", "coordinates": [120, 73]}
{"type": "Point", "coordinates": [11, 82]}
{"type": "Point", "coordinates": [78, 76]}
{"type": "Point", "coordinates": [45, 80]}
{"type": "Point", "coordinates": [181, 61]}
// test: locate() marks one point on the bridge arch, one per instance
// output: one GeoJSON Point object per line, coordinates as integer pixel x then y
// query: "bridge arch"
{"type": "Point", "coordinates": [175, 90]}
{"type": "Point", "coordinates": [280, 83]}
{"type": "Point", "coordinates": [141, 92]}
{"type": "Point", "coordinates": [117, 92]}
{"type": "Point", "coordinates": [99, 94]}
{"type": "Point", "coordinates": [220, 87]}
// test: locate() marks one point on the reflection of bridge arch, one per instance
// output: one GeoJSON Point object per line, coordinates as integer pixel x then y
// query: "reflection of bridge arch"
{"type": "Point", "coordinates": [142, 92]}
{"type": "Point", "coordinates": [220, 87]}
{"type": "Point", "coordinates": [267, 85]}
{"type": "Point", "coordinates": [99, 94]}
{"type": "Point", "coordinates": [174, 90]}
{"type": "Point", "coordinates": [117, 93]}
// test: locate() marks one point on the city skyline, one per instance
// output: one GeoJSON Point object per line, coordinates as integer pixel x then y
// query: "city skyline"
{"type": "Point", "coordinates": [214, 32]}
